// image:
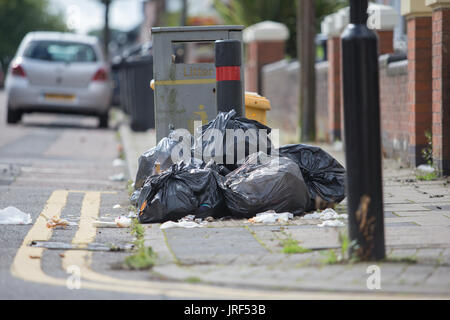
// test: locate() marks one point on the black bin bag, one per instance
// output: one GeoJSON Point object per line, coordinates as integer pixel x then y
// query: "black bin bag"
{"type": "Point", "coordinates": [324, 175]}
{"type": "Point", "coordinates": [245, 137]}
{"type": "Point", "coordinates": [160, 153]}
{"type": "Point", "coordinates": [265, 182]}
{"type": "Point", "coordinates": [180, 191]}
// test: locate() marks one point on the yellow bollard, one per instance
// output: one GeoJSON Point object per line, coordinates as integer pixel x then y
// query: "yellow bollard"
{"type": "Point", "coordinates": [256, 107]}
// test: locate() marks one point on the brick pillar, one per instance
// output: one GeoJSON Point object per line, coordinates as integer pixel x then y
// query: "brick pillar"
{"type": "Point", "coordinates": [334, 88]}
{"type": "Point", "coordinates": [260, 53]}
{"type": "Point", "coordinates": [386, 41]}
{"type": "Point", "coordinates": [265, 44]}
{"type": "Point", "coordinates": [419, 85]}
{"type": "Point", "coordinates": [441, 84]}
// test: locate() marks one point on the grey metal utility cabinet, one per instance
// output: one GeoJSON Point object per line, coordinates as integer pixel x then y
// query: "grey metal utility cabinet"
{"type": "Point", "coordinates": [185, 93]}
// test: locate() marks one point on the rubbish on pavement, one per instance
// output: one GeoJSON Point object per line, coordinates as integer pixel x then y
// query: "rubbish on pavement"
{"type": "Point", "coordinates": [332, 223]}
{"type": "Point", "coordinates": [135, 197]}
{"type": "Point", "coordinates": [105, 224]}
{"type": "Point", "coordinates": [324, 175]}
{"type": "Point", "coordinates": [132, 215]}
{"type": "Point", "coordinates": [264, 183]}
{"type": "Point", "coordinates": [123, 222]}
{"type": "Point", "coordinates": [271, 217]}
{"type": "Point", "coordinates": [181, 224]}
{"type": "Point", "coordinates": [426, 168]}
{"type": "Point", "coordinates": [12, 215]}
{"type": "Point", "coordinates": [327, 214]}
{"type": "Point", "coordinates": [117, 206]}
{"type": "Point", "coordinates": [55, 222]}
{"type": "Point", "coordinates": [117, 177]}
{"type": "Point", "coordinates": [179, 191]}
{"type": "Point", "coordinates": [162, 154]}
{"type": "Point", "coordinates": [118, 162]}
{"type": "Point", "coordinates": [207, 145]}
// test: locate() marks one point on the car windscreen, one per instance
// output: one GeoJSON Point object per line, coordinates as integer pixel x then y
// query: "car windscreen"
{"type": "Point", "coordinates": [60, 51]}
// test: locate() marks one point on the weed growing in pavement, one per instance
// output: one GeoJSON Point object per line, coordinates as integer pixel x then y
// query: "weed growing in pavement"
{"type": "Point", "coordinates": [193, 280]}
{"type": "Point", "coordinates": [427, 176]}
{"type": "Point", "coordinates": [427, 154]}
{"type": "Point", "coordinates": [331, 256]}
{"type": "Point", "coordinates": [144, 257]}
{"type": "Point", "coordinates": [291, 246]}
{"type": "Point", "coordinates": [130, 187]}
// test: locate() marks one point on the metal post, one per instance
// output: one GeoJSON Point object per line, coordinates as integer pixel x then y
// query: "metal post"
{"type": "Point", "coordinates": [228, 60]}
{"type": "Point", "coordinates": [362, 135]}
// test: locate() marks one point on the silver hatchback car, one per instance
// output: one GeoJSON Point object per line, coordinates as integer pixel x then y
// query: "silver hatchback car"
{"type": "Point", "coordinates": [59, 72]}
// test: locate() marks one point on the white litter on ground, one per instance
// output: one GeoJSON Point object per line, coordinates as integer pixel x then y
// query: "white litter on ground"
{"type": "Point", "coordinates": [12, 215]}
{"type": "Point", "coordinates": [332, 223]}
{"type": "Point", "coordinates": [132, 214]}
{"type": "Point", "coordinates": [117, 177]}
{"type": "Point", "coordinates": [56, 222]}
{"type": "Point", "coordinates": [181, 224]}
{"type": "Point", "coordinates": [327, 214]}
{"type": "Point", "coordinates": [117, 206]}
{"type": "Point", "coordinates": [123, 222]}
{"type": "Point", "coordinates": [118, 162]}
{"type": "Point", "coordinates": [426, 168]}
{"type": "Point", "coordinates": [271, 217]}
{"type": "Point", "coordinates": [105, 224]}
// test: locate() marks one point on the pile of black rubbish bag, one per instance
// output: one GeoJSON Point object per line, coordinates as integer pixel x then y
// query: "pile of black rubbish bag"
{"type": "Point", "coordinates": [294, 178]}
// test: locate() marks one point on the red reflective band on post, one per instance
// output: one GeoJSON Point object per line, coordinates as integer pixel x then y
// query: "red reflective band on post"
{"type": "Point", "coordinates": [228, 73]}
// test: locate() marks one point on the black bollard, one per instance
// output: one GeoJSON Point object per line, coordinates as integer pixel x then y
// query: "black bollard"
{"type": "Point", "coordinates": [362, 135]}
{"type": "Point", "coordinates": [228, 59]}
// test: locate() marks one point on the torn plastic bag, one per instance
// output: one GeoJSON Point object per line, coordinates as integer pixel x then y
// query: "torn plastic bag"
{"type": "Point", "coordinates": [180, 191]}
{"type": "Point", "coordinates": [263, 183]}
{"type": "Point", "coordinates": [161, 153]}
{"type": "Point", "coordinates": [324, 175]}
{"type": "Point", "coordinates": [244, 137]}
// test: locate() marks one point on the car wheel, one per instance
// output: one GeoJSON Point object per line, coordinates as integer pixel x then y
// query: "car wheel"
{"type": "Point", "coordinates": [103, 120]}
{"type": "Point", "coordinates": [13, 116]}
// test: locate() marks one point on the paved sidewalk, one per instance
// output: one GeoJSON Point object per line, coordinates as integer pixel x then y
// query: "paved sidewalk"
{"type": "Point", "coordinates": [242, 254]}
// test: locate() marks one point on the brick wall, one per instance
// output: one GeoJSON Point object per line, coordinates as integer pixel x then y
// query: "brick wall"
{"type": "Point", "coordinates": [441, 89]}
{"type": "Point", "coordinates": [280, 82]}
{"type": "Point", "coordinates": [394, 108]}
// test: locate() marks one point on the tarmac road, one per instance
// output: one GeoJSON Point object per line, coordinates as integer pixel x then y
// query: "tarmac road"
{"type": "Point", "coordinates": [39, 156]}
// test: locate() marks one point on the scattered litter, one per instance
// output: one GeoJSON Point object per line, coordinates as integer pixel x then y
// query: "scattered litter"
{"type": "Point", "coordinates": [117, 206]}
{"type": "Point", "coordinates": [132, 214]}
{"type": "Point", "coordinates": [271, 217]}
{"type": "Point", "coordinates": [327, 214]}
{"type": "Point", "coordinates": [425, 168]}
{"type": "Point", "coordinates": [62, 255]}
{"type": "Point", "coordinates": [117, 177]}
{"type": "Point", "coordinates": [55, 222]}
{"type": "Point", "coordinates": [181, 224]}
{"type": "Point", "coordinates": [134, 198]}
{"type": "Point", "coordinates": [338, 146]}
{"type": "Point", "coordinates": [105, 224]}
{"type": "Point", "coordinates": [332, 223]}
{"type": "Point", "coordinates": [34, 257]}
{"type": "Point", "coordinates": [118, 162]}
{"type": "Point", "coordinates": [123, 222]}
{"type": "Point", "coordinates": [12, 215]}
